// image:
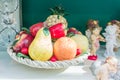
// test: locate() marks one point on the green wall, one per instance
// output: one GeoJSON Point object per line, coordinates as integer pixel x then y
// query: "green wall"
{"type": "Point", "coordinates": [80, 11]}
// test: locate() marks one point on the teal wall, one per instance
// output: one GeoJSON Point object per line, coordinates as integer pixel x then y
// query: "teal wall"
{"type": "Point", "coordinates": [80, 11]}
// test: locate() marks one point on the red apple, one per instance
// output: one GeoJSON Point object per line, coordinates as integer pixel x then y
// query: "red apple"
{"type": "Point", "coordinates": [34, 28]}
{"type": "Point", "coordinates": [24, 40]}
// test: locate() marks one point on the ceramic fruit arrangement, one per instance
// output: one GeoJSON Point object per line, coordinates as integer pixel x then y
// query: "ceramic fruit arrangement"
{"type": "Point", "coordinates": [50, 41]}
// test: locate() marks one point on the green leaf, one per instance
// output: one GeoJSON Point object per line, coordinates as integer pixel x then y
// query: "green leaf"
{"type": "Point", "coordinates": [22, 55]}
{"type": "Point", "coordinates": [25, 29]}
{"type": "Point", "coordinates": [58, 16]}
{"type": "Point", "coordinates": [46, 31]}
{"type": "Point", "coordinates": [52, 10]}
{"type": "Point", "coordinates": [15, 42]}
{"type": "Point", "coordinates": [58, 10]}
{"type": "Point", "coordinates": [70, 34]}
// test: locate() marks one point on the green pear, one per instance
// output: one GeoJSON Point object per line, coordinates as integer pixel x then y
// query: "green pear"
{"type": "Point", "coordinates": [41, 48]}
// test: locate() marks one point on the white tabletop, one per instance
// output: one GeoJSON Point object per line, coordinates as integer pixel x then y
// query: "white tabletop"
{"type": "Point", "coordinates": [10, 69]}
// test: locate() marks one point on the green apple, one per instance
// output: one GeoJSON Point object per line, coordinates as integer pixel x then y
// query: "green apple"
{"type": "Point", "coordinates": [82, 42]}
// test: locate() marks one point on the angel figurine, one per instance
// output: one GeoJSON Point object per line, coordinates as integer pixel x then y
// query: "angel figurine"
{"type": "Point", "coordinates": [93, 35]}
{"type": "Point", "coordinates": [111, 42]}
{"type": "Point", "coordinates": [106, 70]}
{"type": "Point", "coordinates": [117, 24]}
{"type": "Point", "coordinates": [90, 25]}
{"type": "Point", "coordinates": [94, 39]}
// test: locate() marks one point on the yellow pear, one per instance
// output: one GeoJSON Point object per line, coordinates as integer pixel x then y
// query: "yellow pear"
{"type": "Point", "coordinates": [41, 48]}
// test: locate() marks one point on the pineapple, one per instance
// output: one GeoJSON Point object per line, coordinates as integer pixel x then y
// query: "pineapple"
{"type": "Point", "coordinates": [56, 17]}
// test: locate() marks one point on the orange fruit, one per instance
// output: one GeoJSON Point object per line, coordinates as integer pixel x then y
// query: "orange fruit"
{"type": "Point", "coordinates": [65, 48]}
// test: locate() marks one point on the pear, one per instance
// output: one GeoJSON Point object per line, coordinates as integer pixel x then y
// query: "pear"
{"type": "Point", "coordinates": [41, 48]}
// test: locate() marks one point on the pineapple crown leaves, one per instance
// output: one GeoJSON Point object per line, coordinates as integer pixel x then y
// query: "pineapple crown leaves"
{"type": "Point", "coordinates": [58, 10]}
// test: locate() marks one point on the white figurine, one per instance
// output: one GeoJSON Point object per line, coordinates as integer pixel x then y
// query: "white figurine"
{"type": "Point", "coordinates": [117, 23]}
{"type": "Point", "coordinates": [107, 70]}
{"type": "Point", "coordinates": [110, 37]}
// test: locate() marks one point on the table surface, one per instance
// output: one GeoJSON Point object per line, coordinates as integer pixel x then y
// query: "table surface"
{"type": "Point", "coordinates": [10, 69]}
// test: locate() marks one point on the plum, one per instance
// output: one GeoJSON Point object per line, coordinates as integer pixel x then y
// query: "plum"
{"type": "Point", "coordinates": [74, 31]}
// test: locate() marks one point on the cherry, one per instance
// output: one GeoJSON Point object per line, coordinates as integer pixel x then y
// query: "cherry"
{"type": "Point", "coordinates": [53, 59]}
{"type": "Point", "coordinates": [79, 51]}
